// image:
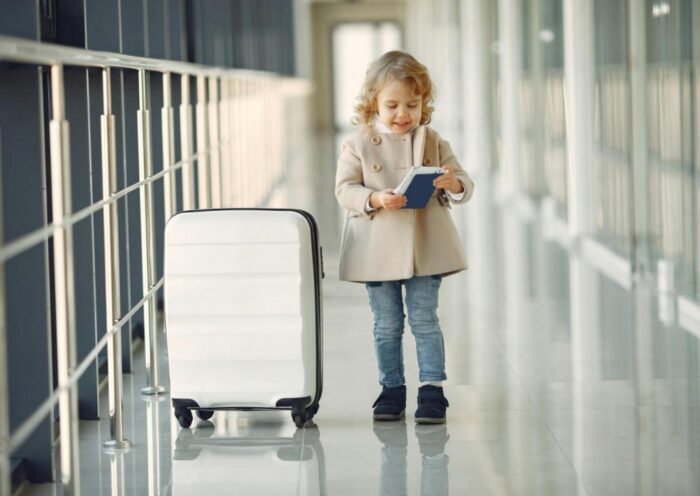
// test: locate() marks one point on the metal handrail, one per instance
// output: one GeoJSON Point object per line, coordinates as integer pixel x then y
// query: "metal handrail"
{"type": "Point", "coordinates": [31, 52]}
{"type": "Point", "coordinates": [214, 112]}
{"type": "Point", "coordinates": [33, 238]}
{"type": "Point", "coordinates": [25, 430]}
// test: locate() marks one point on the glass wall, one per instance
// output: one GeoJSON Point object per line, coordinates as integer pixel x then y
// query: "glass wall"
{"type": "Point", "coordinates": [494, 43]}
{"type": "Point", "coordinates": [673, 182]}
{"type": "Point", "coordinates": [612, 164]}
{"type": "Point", "coordinates": [550, 39]}
{"type": "Point", "coordinates": [543, 130]}
{"type": "Point", "coordinates": [643, 199]}
{"type": "Point", "coordinates": [530, 99]}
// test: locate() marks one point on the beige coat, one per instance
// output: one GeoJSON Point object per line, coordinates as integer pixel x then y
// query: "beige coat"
{"type": "Point", "coordinates": [385, 245]}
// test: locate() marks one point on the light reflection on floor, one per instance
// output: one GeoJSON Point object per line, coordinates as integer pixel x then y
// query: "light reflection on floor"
{"type": "Point", "coordinates": [560, 382]}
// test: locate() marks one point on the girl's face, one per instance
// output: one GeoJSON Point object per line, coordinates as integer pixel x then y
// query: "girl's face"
{"type": "Point", "coordinates": [398, 106]}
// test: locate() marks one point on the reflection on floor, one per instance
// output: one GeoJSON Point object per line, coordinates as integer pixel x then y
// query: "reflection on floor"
{"type": "Point", "coordinates": [560, 383]}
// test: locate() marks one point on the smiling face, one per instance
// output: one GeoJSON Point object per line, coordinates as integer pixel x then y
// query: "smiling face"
{"type": "Point", "coordinates": [399, 107]}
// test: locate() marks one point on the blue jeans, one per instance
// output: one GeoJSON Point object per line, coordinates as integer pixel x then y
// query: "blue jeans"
{"type": "Point", "coordinates": [385, 298]}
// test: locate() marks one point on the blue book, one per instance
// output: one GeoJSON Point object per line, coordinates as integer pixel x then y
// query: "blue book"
{"type": "Point", "coordinates": [417, 185]}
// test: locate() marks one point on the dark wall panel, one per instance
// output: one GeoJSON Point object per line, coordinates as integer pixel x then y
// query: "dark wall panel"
{"type": "Point", "coordinates": [156, 28]}
{"type": "Point", "coordinates": [70, 23]}
{"type": "Point", "coordinates": [131, 237]}
{"type": "Point", "coordinates": [157, 157]}
{"type": "Point", "coordinates": [28, 320]}
{"type": "Point", "coordinates": [246, 34]}
{"type": "Point", "coordinates": [102, 22]}
{"type": "Point", "coordinates": [19, 18]}
{"type": "Point", "coordinates": [123, 87]}
{"type": "Point", "coordinates": [175, 39]}
{"type": "Point", "coordinates": [77, 111]}
{"type": "Point", "coordinates": [132, 26]}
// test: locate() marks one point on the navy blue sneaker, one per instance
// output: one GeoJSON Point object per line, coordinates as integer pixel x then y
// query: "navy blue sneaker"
{"type": "Point", "coordinates": [432, 405]}
{"type": "Point", "coordinates": [391, 403]}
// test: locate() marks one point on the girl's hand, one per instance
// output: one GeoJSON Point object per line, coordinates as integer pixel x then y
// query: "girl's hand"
{"type": "Point", "coordinates": [449, 181]}
{"type": "Point", "coordinates": [387, 199]}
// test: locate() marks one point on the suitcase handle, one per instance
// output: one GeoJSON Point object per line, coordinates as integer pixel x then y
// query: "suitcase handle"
{"type": "Point", "coordinates": [323, 272]}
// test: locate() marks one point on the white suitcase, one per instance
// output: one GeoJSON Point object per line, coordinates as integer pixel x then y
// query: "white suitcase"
{"type": "Point", "coordinates": [243, 312]}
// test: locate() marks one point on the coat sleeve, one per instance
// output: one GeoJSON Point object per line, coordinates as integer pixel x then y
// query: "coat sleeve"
{"type": "Point", "coordinates": [350, 190]}
{"type": "Point", "coordinates": [447, 157]}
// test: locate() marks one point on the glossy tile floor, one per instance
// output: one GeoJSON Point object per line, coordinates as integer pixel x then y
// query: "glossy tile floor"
{"type": "Point", "coordinates": [560, 383]}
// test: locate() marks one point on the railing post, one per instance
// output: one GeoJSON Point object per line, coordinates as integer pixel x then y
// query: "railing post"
{"type": "Point", "coordinates": [112, 286]}
{"type": "Point", "coordinates": [147, 242]}
{"type": "Point", "coordinates": [5, 476]}
{"type": "Point", "coordinates": [223, 141]}
{"type": "Point", "coordinates": [235, 149]}
{"type": "Point", "coordinates": [167, 114]}
{"type": "Point", "coordinates": [244, 185]}
{"type": "Point", "coordinates": [63, 285]}
{"type": "Point", "coordinates": [214, 142]}
{"type": "Point", "coordinates": [203, 176]}
{"type": "Point", "coordinates": [226, 139]}
{"type": "Point", "coordinates": [579, 90]}
{"type": "Point", "coordinates": [186, 140]}
{"type": "Point", "coordinates": [238, 140]}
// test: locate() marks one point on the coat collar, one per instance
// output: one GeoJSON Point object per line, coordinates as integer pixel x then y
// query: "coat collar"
{"type": "Point", "coordinates": [417, 134]}
{"type": "Point", "coordinates": [418, 145]}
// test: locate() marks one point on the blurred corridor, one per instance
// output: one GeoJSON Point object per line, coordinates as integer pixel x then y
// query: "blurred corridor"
{"type": "Point", "coordinates": [572, 348]}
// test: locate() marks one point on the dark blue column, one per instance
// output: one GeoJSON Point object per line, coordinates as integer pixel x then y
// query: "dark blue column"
{"type": "Point", "coordinates": [176, 33]}
{"type": "Point", "coordinates": [177, 99]}
{"type": "Point", "coordinates": [87, 234]}
{"type": "Point", "coordinates": [157, 146]}
{"type": "Point", "coordinates": [27, 295]}
{"type": "Point", "coordinates": [132, 27]}
{"type": "Point", "coordinates": [130, 238]}
{"type": "Point", "coordinates": [19, 18]}
{"type": "Point", "coordinates": [248, 34]}
{"type": "Point", "coordinates": [127, 248]}
{"type": "Point", "coordinates": [103, 21]}
{"type": "Point", "coordinates": [21, 166]}
{"type": "Point", "coordinates": [102, 25]}
{"type": "Point", "coordinates": [155, 23]}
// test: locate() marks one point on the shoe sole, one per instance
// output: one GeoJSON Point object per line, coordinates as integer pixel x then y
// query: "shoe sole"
{"type": "Point", "coordinates": [432, 421]}
{"type": "Point", "coordinates": [384, 417]}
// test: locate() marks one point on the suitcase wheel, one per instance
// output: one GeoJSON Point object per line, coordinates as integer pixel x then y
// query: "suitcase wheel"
{"type": "Point", "coordinates": [184, 417]}
{"type": "Point", "coordinates": [299, 419]}
{"type": "Point", "coordinates": [205, 414]}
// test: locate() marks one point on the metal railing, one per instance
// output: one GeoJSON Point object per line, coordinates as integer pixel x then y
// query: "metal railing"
{"type": "Point", "coordinates": [233, 124]}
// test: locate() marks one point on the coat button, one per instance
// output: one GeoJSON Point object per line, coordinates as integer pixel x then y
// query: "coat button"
{"type": "Point", "coordinates": [428, 161]}
{"type": "Point", "coordinates": [376, 140]}
{"type": "Point", "coordinates": [376, 167]}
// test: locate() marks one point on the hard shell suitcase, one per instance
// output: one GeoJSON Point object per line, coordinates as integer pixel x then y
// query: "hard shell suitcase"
{"type": "Point", "coordinates": [243, 312]}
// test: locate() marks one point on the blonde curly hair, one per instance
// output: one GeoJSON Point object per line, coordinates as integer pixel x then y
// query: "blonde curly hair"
{"type": "Point", "coordinates": [394, 65]}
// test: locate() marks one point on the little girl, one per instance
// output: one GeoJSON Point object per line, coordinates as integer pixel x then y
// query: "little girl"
{"type": "Point", "coordinates": [388, 247]}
